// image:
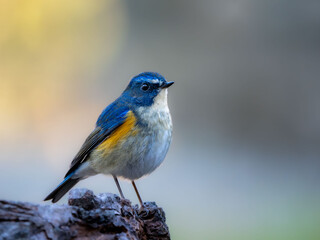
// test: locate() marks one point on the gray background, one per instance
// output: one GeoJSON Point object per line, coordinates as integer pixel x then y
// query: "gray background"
{"type": "Point", "coordinates": [244, 161]}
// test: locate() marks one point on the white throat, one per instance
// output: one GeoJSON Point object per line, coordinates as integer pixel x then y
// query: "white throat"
{"type": "Point", "coordinates": [158, 111]}
{"type": "Point", "coordinates": [160, 102]}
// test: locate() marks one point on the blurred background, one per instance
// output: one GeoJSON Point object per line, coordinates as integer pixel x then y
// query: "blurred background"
{"type": "Point", "coordinates": [244, 161]}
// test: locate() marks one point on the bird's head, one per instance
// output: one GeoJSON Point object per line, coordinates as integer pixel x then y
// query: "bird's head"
{"type": "Point", "coordinates": [146, 89]}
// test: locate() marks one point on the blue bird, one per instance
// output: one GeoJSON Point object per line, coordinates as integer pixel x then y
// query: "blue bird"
{"type": "Point", "coordinates": [131, 137]}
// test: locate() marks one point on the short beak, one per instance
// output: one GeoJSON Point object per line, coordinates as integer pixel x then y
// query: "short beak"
{"type": "Point", "coordinates": [167, 84]}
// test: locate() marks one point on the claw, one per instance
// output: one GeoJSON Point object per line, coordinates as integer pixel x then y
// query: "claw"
{"type": "Point", "coordinates": [143, 212]}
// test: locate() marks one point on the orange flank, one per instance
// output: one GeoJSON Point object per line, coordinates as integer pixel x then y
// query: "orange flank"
{"type": "Point", "coordinates": [125, 130]}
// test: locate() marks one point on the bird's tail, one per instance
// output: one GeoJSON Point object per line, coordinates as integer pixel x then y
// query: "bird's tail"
{"type": "Point", "coordinates": [62, 188]}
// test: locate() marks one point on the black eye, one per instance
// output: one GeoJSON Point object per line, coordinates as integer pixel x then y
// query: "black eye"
{"type": "Point", "coordinates": [145, 87]}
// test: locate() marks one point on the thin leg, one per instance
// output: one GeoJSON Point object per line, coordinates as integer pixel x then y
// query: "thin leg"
{"type": "Point", "coordinates": [118, 186]}
{"type": "Point", "coordinates": [135, 188]}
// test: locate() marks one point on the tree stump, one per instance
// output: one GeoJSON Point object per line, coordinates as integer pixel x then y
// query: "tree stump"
{"type": "Point", "coordinates": [87, 216]}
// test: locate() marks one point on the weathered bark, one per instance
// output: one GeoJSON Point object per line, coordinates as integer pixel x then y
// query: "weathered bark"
{"type": "Point", "coordinates": [87, 216]}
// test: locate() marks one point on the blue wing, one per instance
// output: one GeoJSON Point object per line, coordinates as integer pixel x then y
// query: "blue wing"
{"type": "Point", "coordinates": [110, 119]}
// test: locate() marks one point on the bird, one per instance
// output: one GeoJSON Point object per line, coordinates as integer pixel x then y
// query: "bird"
{"type": "Point", "coordinates": [131, 137]}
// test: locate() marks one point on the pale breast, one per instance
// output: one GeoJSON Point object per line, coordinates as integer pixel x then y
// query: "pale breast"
{"type": "Point", "coordinates": [150, 145]}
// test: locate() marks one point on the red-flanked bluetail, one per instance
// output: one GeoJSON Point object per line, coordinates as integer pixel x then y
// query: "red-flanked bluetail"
{"type": "Point", "coordinates": [131, 138]}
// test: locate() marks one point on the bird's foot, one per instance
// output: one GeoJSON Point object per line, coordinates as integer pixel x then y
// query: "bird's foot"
{"type": "Point", "coordinates": [143, 212]}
